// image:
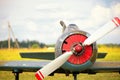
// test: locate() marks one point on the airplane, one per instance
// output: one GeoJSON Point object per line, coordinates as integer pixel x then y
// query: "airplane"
{"type": "Point", "coordinates": [75, 52]}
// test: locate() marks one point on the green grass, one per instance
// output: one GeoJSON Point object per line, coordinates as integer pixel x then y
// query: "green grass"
{"type": "Point", "coordinates": [4, 75]}
{"type": "Point", "coordinates": [13, 54]}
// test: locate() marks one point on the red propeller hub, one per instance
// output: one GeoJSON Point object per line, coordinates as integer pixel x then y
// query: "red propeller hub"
{"type": "Point", "coordinates": [78, 48]}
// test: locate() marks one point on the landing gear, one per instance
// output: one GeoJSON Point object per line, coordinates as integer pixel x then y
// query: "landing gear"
{"type": "Point", "coordinates": [16, 73]}
{"type": "Point", "coordinates": [75, 76]}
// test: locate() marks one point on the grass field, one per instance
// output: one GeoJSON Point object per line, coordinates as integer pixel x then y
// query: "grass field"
{"type": "Point", "coordinates": [13, 54]}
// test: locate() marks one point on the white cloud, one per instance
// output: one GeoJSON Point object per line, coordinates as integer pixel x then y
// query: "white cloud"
{"type": "Point", "coordinates": [39, 19]}
{"type": "Point", "coordinates": [32, 26]}
{"type": "Point", "coordinates": [116, 10]}
{"type": "Point", "coordinates": [97, 17]}
{"type": "Point", "coordinates": [100, 14]}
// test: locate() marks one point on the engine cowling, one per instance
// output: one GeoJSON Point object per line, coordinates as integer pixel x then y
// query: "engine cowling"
{"type": "Point", "coordinates": [71, 40]}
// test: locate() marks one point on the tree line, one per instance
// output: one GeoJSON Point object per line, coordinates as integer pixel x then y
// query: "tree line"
{"type": "Point", "coordinates": [36, 44]}
{"type": "Point", "coordinates": [22, 44]}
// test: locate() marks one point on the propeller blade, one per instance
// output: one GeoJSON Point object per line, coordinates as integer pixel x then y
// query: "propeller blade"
{"type": "Point", "coordinates": [111, 25]}
{"type": "Point", "coordinates": [52, 66]}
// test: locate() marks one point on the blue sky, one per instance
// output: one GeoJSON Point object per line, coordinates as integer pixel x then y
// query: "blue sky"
{"type": "Point", "coordinates": [39, 19]}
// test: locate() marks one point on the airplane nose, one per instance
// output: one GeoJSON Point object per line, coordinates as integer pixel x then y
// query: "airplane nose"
{"type": "Point", "coordinates": [78, 49]}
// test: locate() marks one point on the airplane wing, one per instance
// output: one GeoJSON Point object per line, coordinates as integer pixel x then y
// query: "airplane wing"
{"type": "Point", "coordinates": [104, 67]}
{"type": "Point", "coordinates": [24, 66]}
{"type": "Point", "coordinates": [33, 66]}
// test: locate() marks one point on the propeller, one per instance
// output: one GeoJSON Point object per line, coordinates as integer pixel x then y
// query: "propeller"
{"type": "Point", "coordinates": [111, 25]}
{"type": "Point", "coordinates": [52, 66]}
